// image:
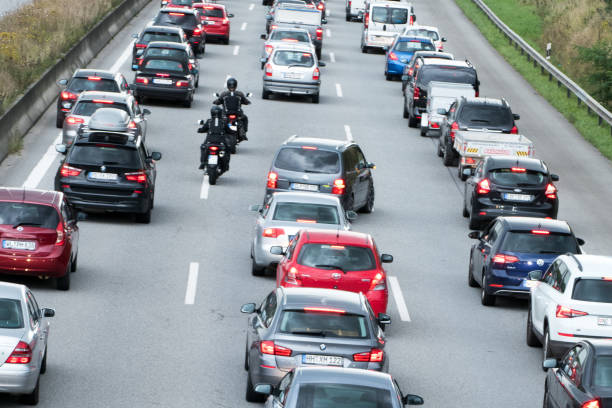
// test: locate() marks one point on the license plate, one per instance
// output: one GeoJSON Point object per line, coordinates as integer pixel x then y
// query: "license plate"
{"type": "Point", "coordinates": [213, 159]}
{"type": "Point", "coordinates": [27, 245]}
{"type": "Point", "coordinates": [162, 81]}
{"type": "Point", "coordinates": [292, 75]}
{"type": "Point", "coordinates": [210, 22]}
{"type": "Point", "coordinates": [517, 197]}
{"type": "Point", "coordinates": [102, 176]}
{"type": "Point", "coordinates": [322, 360]}
{"type": "Point", "coordinates": [604, 321]}
{"type": "Point", "coordinates": [306, 187]}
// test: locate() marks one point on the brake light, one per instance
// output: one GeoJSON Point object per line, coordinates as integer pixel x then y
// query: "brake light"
{"type": "Point", "coordinates": [411, 19]}
{"type": "Point", "coordinates": [551, 191]}
{"type": "Point", "coordinates": [21, 355]}
{"type": "Point", "coordinates": [197, 31]}
{"type": "Point", "coordinates": [273, 232]}
{"type": "Point", "coordinates": [316, 74]}
{"type": "Point", "coordinates": [393, 57]}
{"type": "Point", "coordinates": [453, 130]}
{"type": "Point", "coordinates": [177, 14]}
{"type": "Point", "coordinates": [132, 125]}
{"type": "Point", "coordinates": [504, 259]}
{"type": "Point", "coordinates": [72, 120]}
{"type": "Point", "coordinates": [182, 83]}
{"type": "Point", "coordinates": [292, 276]}
{"type": "Point", "coordinates": [268, 347]}
{"type": "Point", "coordinates": [306, 221]}
{"type": "Point", "coordinates": [319, 33]}
{"type": "Point", "coordinates": [190, 66]}
{"type": "Point", "coordinates": [518, 170]}
{"type": "Point", "coordinates": [269, 48]}
{"type": "Point", "coordinates": [434, 125]}
{"type": "Point", "coordinates": [366, 19]}
{"type": "Point", "coordinates": [339, 186]}
{"type": "Point", "coordinates": [483, 187]}
{"type": "Point", "coordinates": [514, 130]}
{"type": "Point", "coordinates": [213, 149]}
{"type": "Point", "coordinates": [540, 232]}
{"type": "Point", "coordinates": [372, 356]}
{"type": "Point", "coordinates": [594, 403]}
{"type": "Point", "coordinates": [140, 45]}
{"type": "Point", "coordinates": [68, 95]}
{"type": "Point", "coordinates": [67, 171]}
{"type": "Point", "coordinates": [417, 92]}
{"type": "Point", "coordinates": [268, 70]}
{"type": "Point", "coordinates": [272, 179]}
{"type": "Point", "coordinates": [318, 309]}
{"type": "Point", "coordinates": [59, 230]}
{"type": "Point", "coordinates": [564, 312]}
{"type": "Point", "coordinates": [310, 147]}
{"type": "Point", "coordinates": [476, 94]}
{"type": "Point", "coordinates": [104, 101]}
{"type": "Point", "coordinates": [320, 6]}
{"type": "Point", "coordinates": [162, 75]}
{"type": "Point", "coordinates": [232, 117]}
{"type": "Point", "coordinates": [141, 80]}
{"type": "Point", "coordinates": [139, 176]}
{"type": "Point", "coordinates": [225, 21]}
{"type": "Point", "coordinates": [378, 283]}
{"type": "Point", "coordinates": [94, 78]}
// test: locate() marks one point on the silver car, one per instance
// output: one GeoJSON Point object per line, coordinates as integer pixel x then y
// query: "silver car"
{"type": "Point", "coordinates": [24, 328]}
{"type": "Point", "coordinates": [281, 36]}
{"type": "Point", "coordinates": [296, 327]}
{"type": "Point", "coordinates": [284, 214]}
{"type": "Point", "coordinates": [292, 69]}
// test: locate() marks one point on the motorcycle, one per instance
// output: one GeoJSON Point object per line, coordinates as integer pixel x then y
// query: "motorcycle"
{"type": "Point", "coordinates": [215, 159]}
{"type": "Point", "coordinates": [232, 110]}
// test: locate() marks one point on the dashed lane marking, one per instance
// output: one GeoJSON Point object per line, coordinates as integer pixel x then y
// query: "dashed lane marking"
{"type": "Point", "coordinates": [204, 188]}
{"type": "Point", "coordinates": [332, 57]}
{"type": "Point", "coordinates": [339, 90]}
{"type": "Point", "coordinates": [347, 131]}
{"type": "Point", "coordinates": [243, 26]}
{"type": "Point", "coordinates": [192, 283]}
{"type": "Point", "coordinates": [236, 50]}
{"type": "Point", "coordinates": [398, 297]}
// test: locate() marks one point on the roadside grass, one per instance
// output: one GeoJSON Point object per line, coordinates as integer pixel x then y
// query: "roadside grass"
{"type": "Point", "coordinates": [15, 145]}
{"type": "Point", "coordinates": [587, 125]}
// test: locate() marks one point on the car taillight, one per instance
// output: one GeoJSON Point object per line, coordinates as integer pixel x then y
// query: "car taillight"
{"type": "Point", "coordinates": [268, 70]}
{"type": "Point", "coordinates": [339, 186]}
{"type": "Point", "coordinates": [504, 259]}
{"type": "Point", "coordinates": [272, 179]}
{"type": "Point", "coordinates": [417, 93]}
{"type": "Point", "coordinates": [551, 191]}
{"type": "Point", "coordinates": [269, 49]}
{"type": "Point", "coordinates": [564, 312]}
{"type": "Point", "coordinates": [514, 130]}
{"type": "Point", "coordinates": [59, 230]}
{"type": "Point", "coordinates": [316, 74]}
{"type": "Point", "coordinates": [21, 355]}
{"type": "Point", "coordinates": [141, 80]}
{"type": "Point", "coordinates": [393, 57]}
{"type": "Point", "coordinates": [319, 33]}
{"type": "Point", "coordinates": [434, 125]}
{"type": "Point", "coordinates": [411, 19]}
{"type": "Point", "coordinates": [72, 120]}
{"type": "Point", "coordinates": [540, 232]}
{"type": "Point", "coordinates": [378, 283]}
{"type": "Point", "coordinates": [453, 130]}
{"type": "Point", "coordinates": [594, 403]}
{"type": "Point", "coordinates": [268, 347]}
{"type": "Point", "coordinates": [231, 116]}
{"type": "Point", "coordinates": [139, 176]}
{"type": "Point", "coordinates": [273, 27]}
{"type": "Point", "coordinates": [132, 125]}
{"type": "Point", "coordinates": [94, 78]}
{"type": "Point", "coordinates": [68, 95]}
{"type": "Point", "coordinates": [190, 66]}
{"type": "Point", "coordinates": [476, 94]}
{"type": "Point", "coordinates": [292, 276]}
{"type": "Point", "coordinates": [225, 21]}
{"type": "Point", "coordinates": [320, 6]}
{"type": "Point", "coordinates": [67, 171]}
{"type": "Point", "coordinates": [365, 19]}
{"type": "Point", "coordinates": [197, 31]}
{"type": "Point", "coordinates": [140, 45]}
{"type": "Point", "coordinates": [483, 187]}
{"type": "Point", "coordinates": [518, 170]}
{"type": "Point", "coordinates": [372, 356]}
{"type": "Point", "coordinates": [182, 83]}
{"type": "Point", "coordinates": [350, 3]}
{"type": "Point", "coordinates": [273, 232]}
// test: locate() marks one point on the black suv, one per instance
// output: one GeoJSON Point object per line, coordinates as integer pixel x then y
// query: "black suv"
{"type": "Point", "coordinates": [180, 52]}
{"type": "Point", "coordinates": [189, 20]}
{"type": "Point", "coordinates": [473, 113]}
{"type": "Point", "coordinates": [415, 63]}
{"type": "Point", "coordinates": [109, 171]}
{"type": "Point", "coordinates": [324, 165]}
{"type": "Point", "coordinates": [155, 33]}
{"type": "Point", "coordinates": [434, 69]}
{"type": "Point", "coordinates": [504, 185]}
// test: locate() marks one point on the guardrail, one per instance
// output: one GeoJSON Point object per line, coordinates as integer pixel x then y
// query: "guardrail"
{"type": "Point", "coordinates": [545, 66]}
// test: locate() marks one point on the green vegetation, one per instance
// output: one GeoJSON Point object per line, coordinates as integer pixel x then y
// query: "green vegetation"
{"type": "Point", "coordinates": [586, 124]}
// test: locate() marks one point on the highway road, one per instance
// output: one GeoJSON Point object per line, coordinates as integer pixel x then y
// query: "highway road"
{"type": "Point", "coordinates": [152, 318]}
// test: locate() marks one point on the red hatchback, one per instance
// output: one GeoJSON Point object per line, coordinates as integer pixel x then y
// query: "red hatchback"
{"type": "Point", "coordinates": [336, 260]}
{"type": "Point", "coordinates": [215, 21]}
{"type": "Point", "coordinates": [38, 234]}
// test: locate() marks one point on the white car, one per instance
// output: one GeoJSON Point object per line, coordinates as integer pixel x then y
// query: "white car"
{"type": "Point", "coordinates": [427, 31]}
{"type": "Point", "coordinates": [571, 302]}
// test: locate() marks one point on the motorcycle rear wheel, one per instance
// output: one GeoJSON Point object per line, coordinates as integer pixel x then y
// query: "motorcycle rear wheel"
{"type": "Point", "coordinates": [212, 175]}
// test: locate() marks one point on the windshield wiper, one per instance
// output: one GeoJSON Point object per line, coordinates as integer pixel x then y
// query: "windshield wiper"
{"type": "Point", "coordinates": [297, 65]}
{"type": "Point", "coordinates": [330, 266]}
{"type": "Point", "coordinates": [312, 171]}
{"type": "Point", "coordinates": [110, 162]}
{"type": "Point", "coordinates": [309, 332]}
{"type": "Point", "coordinates": [550, 252]}
{"type": "Point", "coordinates": [20, 223]}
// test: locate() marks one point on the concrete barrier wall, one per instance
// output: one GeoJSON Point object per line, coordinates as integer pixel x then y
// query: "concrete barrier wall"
{"type": "Point", "coordinates": [22, 115]}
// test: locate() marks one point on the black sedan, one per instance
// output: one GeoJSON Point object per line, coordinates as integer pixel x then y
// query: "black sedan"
{"type": "Point", "coordinates": [189, 20]}
{"type": "Point", "coordinates": [582, 378]}
{"type": "Point", "coordinates": [155, 33]}
{"type": "Point", "coordinates": [164, 78]}
{"type": "Point", "coordinates": [179, 51]}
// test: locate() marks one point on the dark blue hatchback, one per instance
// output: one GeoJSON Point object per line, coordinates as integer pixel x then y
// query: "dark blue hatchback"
{"type": "Point", "coordinates": [511, 247]}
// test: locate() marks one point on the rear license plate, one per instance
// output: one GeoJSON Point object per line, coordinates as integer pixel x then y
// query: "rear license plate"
{"type": "Point", "coordinates": [162, 81]}
{"type": "Point", "coordinates": [306, 187]}
{"type": "Point", "coordinates": [604, 321]}
{"type": "Point", "coordinates": [292, 75]}
{"type": "Point", "coordinates": [26, 245]}
{"type": "Point", "coordinates": [210, 22]}
{"type": "Point", "coordinates": [517, 197]}
{"type": "Point", "coordinates": [102, 176]}
{"type": "Point", "coordinates": [322, 360]}
{"type": "Point", "coordinates": [213, 159]}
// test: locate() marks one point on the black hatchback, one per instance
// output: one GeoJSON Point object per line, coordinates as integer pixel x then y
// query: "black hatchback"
{"type": "Point", "coordinates": [505, 185]}
{"type": "Point", "coordinates": [326, 166]}
{"type": "Point", "coordinates": [164, 78]}
{"type": "Point", "coordinates": [189, 20]}
{"type": "Point", "coordinates": [109, 172]}
{"type": "Point", "coordinates": [155, 33]}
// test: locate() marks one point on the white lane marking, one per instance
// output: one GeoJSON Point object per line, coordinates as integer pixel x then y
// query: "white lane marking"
{"type": "Point", "coordinates": [236, 50]}
{"type": "Point", "coordinates": [328, 32]}
{"type": "Point", "coordinates": [243, 26]}
{"type": "Point", "coordinates": [327, 13]}
{"type": "Point", "coordinates": [252, 6]}
{"type": "Point", "coordinates": [204, 188]}
{"type": "Point", "coordinates": [192, 282]}
{"type": "Point", "coordinates": [122, 58]}
{"type": "Point", "coordinates": [332, 57]}
{"type": "Point", "coordinates": [347, 131]}
{"type": "Point", "coordinates": [228, 76]}
{"type": "Point", "coordinates": [41, 168]}
{"type": "Point", "coordinates": [396, 291]}
{"type": "Point", "coordinates": [339, 90]}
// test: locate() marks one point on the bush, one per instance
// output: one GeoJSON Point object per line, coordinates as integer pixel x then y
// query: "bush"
{"type": "Point", "coordinates": [600, 75]}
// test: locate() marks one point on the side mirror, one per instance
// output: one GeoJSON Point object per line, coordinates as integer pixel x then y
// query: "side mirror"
{"type": "Point", "coordinates": [322, 64]}
{"type": "Point", "coordinates": [474, 235]}
{"type": "Point", "coordinates": [81, 216]}
{"type": "Point", "coordinates": [216, 94]}
{"type": "Point", "coordinates": [62, 82]}
{"type": "Point", "coordinates": [550, 363]}
{"type": "Point", "coordinates": [249, 94]}
{"type": "Point", "coordinates": [47, 312]}
{"type": "Point", "coordinates": [277, 250]}
{"type": "Point", "coordinates": [248, 308]}
{"type": "Point", "coordinates": [263, 36]}
{"type": "Point", "coordinates": [441, 111]}
{"type": "Point", "coordinates": [230, 16]}
{"type": "Point", "coordinates": [386, 258]}
{"type": "Point", "coordinates": [156, 156]}
{"type": "Point", "coordinates": [351, 215]}
{"type": "Point", "coordinates": [467, 172]}
{"type": "Point", "coordinates": [371, 166]}
{"type": "Point", "coordinates": [61, 148]}
{"type": "Point", "coordinates": [255, 207]}
{"type": "Point", "coordinates": [264, 389]}
{"type": "Point", "coordinates": [554, 177]}
{"type": "Point", "coordinates": [263, 60]}
{"type": "Point", "coordinates": [535, 275]}
{"type": "Point", "coordinates": [323, 21]}
{"type": "Point", "coordinates": [383, 319]}
{"type": "Point", "coordinates": [516, 116]}
{"type": "Point", "coordinates": [135, 36]}
{"type": "Point", "coordinates": [201, 122]}
{"type": "Point", "coordinates": [146, 112]}
{"type": "Point", "coordinates": [580, 241]}
{"type": "Point", "coordinates": [411, 399]}
{"type": "Point", "coordinates": [443, 39]}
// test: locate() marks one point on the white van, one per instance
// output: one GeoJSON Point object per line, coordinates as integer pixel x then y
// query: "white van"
{"type": "Point", "coordinates": [383, 21]}
{"type": "Point", "coordinates": [355, 9]}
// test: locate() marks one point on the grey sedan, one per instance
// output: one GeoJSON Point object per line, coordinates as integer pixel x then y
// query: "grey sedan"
{"type": "Point", "coordinates": [24, 328]}
{"type": "Point", "coordinates": [308, 387]}
{"type": "Point", "coordinates": [284, 214]}
{"type": "Point", "coordinates": [311, 327]}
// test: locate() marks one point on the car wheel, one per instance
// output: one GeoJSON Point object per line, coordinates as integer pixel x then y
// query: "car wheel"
{"type": "Point", "coordinates": [197, 84]}
{"type": "Point", "coordinates": [315, 98]}
{"type": "Point", "coordinates": [460, 174]}
{"type": "Point", "coordinates": [439, 151]}
{"type": "Point", "coordinates": [412, 121]}
{"type": "Point", "coordinates": [388, 77]}
{"type": "Point", "coordinates": [369, 205]}
{"type": "Point", "coordinates": [73, 264]}
{"type": "Point", "coordinates": [546, 351]}
{"type": "Point", "coordinates": [465, 212]}
{"type": "Point", "coordinates": [472, 283]}
{"type": "Point", "coordinates": [348, 18]}
{"type": "Point", "coordinates": [226, 40]}
{"type": "Point", "coordinates": [256, 270]}
{"type": "Point", "coordinates": [364, 49]}
{"type": "Point", "coordinates": [187, 102]}
{"type": "Point", "coordinates": [423, 131]}
{"type": "Point", "coordinates": [212, 175]}
{"type": "Point", "coordinates": [449, 155]}
{"type": "Point", "coordinates": [145, 218]}
{"type": "Point", "coordinates": [545, 403]}
{"type": "Point", "coordinates": [43, 364]}
{"type": "Point", "coordinates": [530, 337]}
{"type": "Point", "coordinates": [350, 203]}
{"type": "Point", "coordinates": [405, 113]}
{"type": "Point", "coordinates": [32, 398]}
{"type": "Point", "coordinates": [318, 52]}
{"type": "Point", "coordinates": [473, 224]}
{"type": "Point", "coordinates": [265, 94]}
{"type": "Point", "coordinates": [63, 282]}
{"type": "Point", "coordinates": [246, 359]}
{"type": "Point", "coordinates": [485, 298]}
{"type": "Point", "coordinates": [59, 121]}
{"type": "Point", "coordinates": [251, 395]}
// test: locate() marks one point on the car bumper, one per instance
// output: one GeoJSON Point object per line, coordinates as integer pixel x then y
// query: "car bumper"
{"type": "Point", "coordinates": [262, 256]}
{"type": "Point", "coordinates": [378, 41]}
{"type": "Point", "coordinates": [162, 92]}
{"type": "Point", "coordinates": [487, 212]}
{"type": "Point", "coordinates": [218, 31]}
{"type": "Point", "coordinates": [292, 87]}
{"type": "Point", "coordinates": [18, 378]}
{"type": "Point", "coordinates": [500, 283]}
{"type": "Point", "coordinates": [108, 202]}
{"type": "Point", "coordinates": [53, 265]}
{"type": "Point", "coordinates": [395, 68]}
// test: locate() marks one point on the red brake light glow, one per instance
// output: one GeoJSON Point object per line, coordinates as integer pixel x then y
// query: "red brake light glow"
{"type": "Point", "coordinates": [316, 74]}
{"type": "Point", "coordinates": [514, 130]}
{"type": "Point", "coordinates": [132, 125]}
{"type": "Point", "coordinates": [162, 75]}
{"type": "Point", "coordinates": [306, 221]}
{"type": "Point", "coordinates": [197, 31]}
{"type": "Point", "coordinates": [177, 14]}
{"type": "Point", "coordinates": [139, 176]}
{"type": "Point", "coordinates": [518, 170]}
{"type": "Point", "coordinates": [504, 259]}
{"type": "Point", "coordinates": [339, 187]}
{"type": "Point", "coordinates": [540, 232]}
{"type": "Point", "coordinates": [140, 45]}
{"type": "Point", "coordinates": [317, 309]}
{"type": "Point", "coordinates": [594, 403]}
{"type": "Point", "coordinates": [269, 48]}
{"type": "Point", "coordinates": [268, 70]}
{"type": "Point", "coordinates": [272, 179]}
{"type": "Point", "coordinates": [483, 187]}
{"type": "Point", "coordinates": [551, 191]}
{"type": "Point", "coordinates": [59, 230]}
{"type": "Point", "coordinates": [268, 347]}
{"type": "Point", "coordinates": [141, 80]}
{"type": "Point", "coordinates": [94, 78]}
{"type": "Point", "coordinates": [566, 312]}
{"type": "Point", "coordinates": [372, 356]}
{"type": "Point", "coordinates": [393, 57]}
{"type": "Point", "coordinates": [105, 101]}
{"type": "Point", "coordinates": [309, 147]}
{"type": "Point", "coordinates": [21, 355]}
{"type": "Point", "coordinates": [73, 120]}
{"type": "Point", "coordinates": [378, 283]}
{"type": "Point", "coordinates": [182, 83]}
{"type": "Point", "coordinates": [453, 130]}
{"type": "Point", "coordinates": [319, 33]}
{"type": "Point", "coordinates": [67, 171]}
{"type": "Point", "coordinates": [68, 95]}
{"type": "Point", "coordinates": [273, 232]}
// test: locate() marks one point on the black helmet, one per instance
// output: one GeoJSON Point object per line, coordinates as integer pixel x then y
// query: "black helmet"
{"type": "Point", "coordinates": [215, 111]}
{"type": "Point", "coordinates": [232, 84]}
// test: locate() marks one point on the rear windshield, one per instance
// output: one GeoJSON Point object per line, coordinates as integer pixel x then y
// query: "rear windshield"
{"type": "Point", "coordinates": [298, 17]}
{"type": "Point", "coordinates": [508, 177]}
{"type": "Point", "coordinates": [324, 324]}
{"type": "Point", "coordinates": [100, 154]}
{"type": "Point", "coordinates": [486, 115]}
{"type": "Point", "coordinates": [213, 12]}
{"type": "Point", "coordinates": [306, 213]}
{"type": "Point", "coordinates": [342, 395]}
{"type": "Point", "coordinates": [593, 290]}
{"type": "Point", "coordinates": [293, 58]}
{"type": "Point", "coordinates": [603, 372]}
{"type": "Point", "coordinates": [290, 35]}
{"type": "Point", "coordinates": [309, 161]}
{"type": "Point", "coordinates": [446, 74]}
{"type": "Point", "coordinates": [10, 314]}
{"type": "Point", "coordinates": [176, 18]}
{"type": "Point", "coordinates": [164, 65]}
{"type": "Point", "coordinates": [182, 2]}
{"type": "Point", "coordinates": [411, 46]}
{"type": "Point", "coordinates": [25, 214]}
{"type": "Point", "coordinates": [87, 108]}
{"type": "Point", "coordinates": [87, 84]}
{"type": "Point", "coordinates": [423, 33]}
{"type": "Point", "coordinates": [390, 15]}
{"type": "Point", "coordinates": [527, 242]}
{"type": "Point", "coordinates": [165, 52]}
{"type": "Point", "coordinates": [344, 257]}
{"type": "Point", "coordinates": [171, 37]}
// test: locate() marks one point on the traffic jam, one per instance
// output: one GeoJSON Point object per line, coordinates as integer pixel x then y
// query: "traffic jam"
{"type": "Point", "coordinates": [320, 336]}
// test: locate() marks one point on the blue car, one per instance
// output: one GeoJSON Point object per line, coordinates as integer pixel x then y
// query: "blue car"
{"type": "Point", "coordinates": [511, 247]}
{"type": "Point", "coordinates": [400, 52]}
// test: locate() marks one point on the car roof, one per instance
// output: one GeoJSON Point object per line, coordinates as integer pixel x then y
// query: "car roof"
{"type": "Point", "coordinates": [501, 162]}
{"type": "Point", "coordinates": [178, 10]}
{"type": "Point", "coordinates": [333, 144]}
{"type": "Point", "coordinates": [112, 96]}
{"type": "Point", "coordinates": [341, 375]}
{"type": "Point", "coordinates": [293, 46]}
{"type": "Point", "coordinates": [158, 28]}
{"type": "Point", "coordinates": [296, 29]}
{"type": "Point", "coordinates": [338, 237]}
{"type": "Point", "coordinates": [391, 3]}
{"type": "Point", "coordinates": [472, 100]}
{"type": "Point", "coordinates": [446, 56]}
{"type": "Point", "coordinates": [17, 194]}
{"type": "Point", "coordinates": [601, 346]}
{"type": "Point", "coordinates": [11, 290]}
{"type": "Point", "coordinates": [305, 197]}
{"type": "Point", "coordinates": [591, 265]}
{"type": "Point", "coordinates": [442, 61]}
{"type": "Point", "coordinates": [414, 37]}
{"type": "Point", "coordinates": [302, 297]}
{"type": "Point", "coordinates": [529, 223]}
{"type": "Point", "coordinates": [84, 73]}
{"type": "Point", "coordinates": [108, 119]}
{"type": "Point", "coordinates": [168, 44]}
{"type": "Point", "coordinates": [422, 27]}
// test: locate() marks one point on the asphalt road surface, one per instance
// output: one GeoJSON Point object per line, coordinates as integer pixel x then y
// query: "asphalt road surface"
{"type": "Point", "coordinates": [127, 335]}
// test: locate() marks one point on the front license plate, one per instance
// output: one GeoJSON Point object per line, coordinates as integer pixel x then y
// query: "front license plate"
{"type": "Point", "coordinates": [517, 197]}
{"type": "Point", "coordinates": [102, 176]}
{"type": "Point", "coordinates": [306, 187]}
{"type": "Point", "coordinates": [604, 321]}
{"type": "Point", "coordinates": [26, 245]}
{"type": "Point", "coordinates": [162, 81]}
{"type": "Point", "coordinates": [213, 159]}
{"type": "Point", "coordinates": [322, 360]}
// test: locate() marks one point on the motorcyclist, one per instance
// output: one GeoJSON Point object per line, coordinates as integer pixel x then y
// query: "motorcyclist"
{"type": "Point", "coordinates": [232, 85]}
{"type": "Point", "coordinates": [215, 134]}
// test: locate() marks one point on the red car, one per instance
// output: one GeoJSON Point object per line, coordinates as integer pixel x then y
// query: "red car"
{"type": "Point", "coordinates": [215, 20]}
{"type": "Point", "coordinates": [336, 260]}
{"type": "Point", "coordinates": [38, 234]}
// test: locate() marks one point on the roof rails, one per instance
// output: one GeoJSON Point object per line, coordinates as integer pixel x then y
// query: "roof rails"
{"type": "Point", "coordinates": [576, 260]}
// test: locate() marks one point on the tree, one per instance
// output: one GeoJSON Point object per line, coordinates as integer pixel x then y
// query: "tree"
{"type": "Point", "coordinates": [599, 76]}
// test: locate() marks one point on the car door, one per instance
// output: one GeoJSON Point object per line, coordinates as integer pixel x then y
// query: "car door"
{"type": "Point", "coordinates": [546, 295]}
{"type": "Point", "coordinates": [149, 164]}
{"type": "Point", "coordinates": [486, 249]}
{"type": "Point", "coordinates": [258, 326]}
{"type": "Point", "coordinates": [39, 332]}
{"type": "Point", "coordinates": [565, 390]}
{"type": "Point", "coordinates": [351, 174]}
{"type": "Point", "coordinates": [364, 178]}
{"type": "Point", "coordinates": [72, 229]}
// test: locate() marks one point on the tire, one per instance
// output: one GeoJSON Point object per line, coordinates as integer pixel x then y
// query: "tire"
{"type": "Point", "coordinates": [350, 203]}
{"type": "Point", "coordinates": [257, 270]}
{"type": "Point", "coordinates": [439, 151]}
{"type": "Point", "coordinates": [63, 282]}
{"type": "Point", "coordinates": [187, 102]}
{"type": "Point", "coordinates": [546, 351]}
{"type": "Point", "coordinates": [449, 156]}
{"type": "Point", "coordinates": [43, 364]}
{"type": "Point", "coordinates": [369, 205]}
{"type": "Point", "coordinates": [545, 403]}
{"type": "Point", "coordinates": [212, 176]}
{"type": "Point", "coordinates": [246, 359]}
{"type": "Point", "coordinates": [348, 18]}
{"type": "Point", "coordinates": [32, 398]}
{"type": "Point", "coordinates": [197, 84]}
{"type": "Point", "coordinates": [364, 49]}
{"type": "Point", "coordinates": [145, 218]}
{"type": "Point", "coordinates": [388, 77]}
{"type": "Point", "coordinates": [472, 283]}
{"type": "Point", "coordinates": [530, 337]}
{"type": "Point", "coordinates": [485, 298]}
{"type": "Point", "coordinates": [473, 224]}
{"type": "Point", "coordinates": [73, 264]}
{"type": "Point", "coordinates": [265, 94]}
{"type": "Point", "coordinates": [318, 52]}
{"type": "Point", "coordinates": [139, 99]}
{"type": "Point", "coordinates": [251, 395]}
{"type": "Point", "coordinates": [315, 98]}
{"type": "Point", "coordinates": [59, 121]}
{"type": "Point", "coordinates": [412, 121]}
{"type": "Point", "coordinates": [460, 174]}
{"type": "Point", "coordinates": [226, 40]}
{"type": "Point", "coordinates": [405, 113]}
{"type": "Point", "coordinates": [423, 131]}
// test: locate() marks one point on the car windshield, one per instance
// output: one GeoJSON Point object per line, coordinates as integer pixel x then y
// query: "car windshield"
{"type": "Point", "coordinates": [24, 214]}
{"type": "Point", "coordinates": [486, 115]}
{"type": "Point", "coordinates": [298, 17]}
{"type": "Point", "coordinates": [176, 18]}
{"type": "Point", "coordinates": [446, 74]}
{"type": "Point", "coordinates": [87, 108]}
{"type": "Point", "coordinates": [10, 314]}
{"type": "Point", "coordinates": [182, 2]}
{"type": "Point", "coordinates": [293, 58]}
{"type": "Point", "coordinates": [528, 242]}
{"type": "Point", "coordinates": [593, 290]}
{"type": "Point", "coordinates": [414, 45]}
{"type": "Point", "coordinates": [309, 161]}
{"type": "Point", "coordinates": [603, 372]}
{"type": "Point", "coordinates": [345, 257]}
{"type": "Point", "coordinates": [150, 37]}
{"type": "Point", "coordinates": [510, 177]}
{"type": "Point", "coordinates": [331, 395]}
{"type": "Point", "coordinates": [423, 33]}
{"type": "Point", "coordinates": [102, 154]}
{"type": "Point", "coordinates": [93, 83]}
{"type": "Point", "coordinates": [389, 15]}
{"type": "Point", "coordinates": [323, 323]}
{"type": "Point", "coordinates": [166, 52]}
{"type": "Point", "coordinates": [306, 213]}
{"type": "Point", "coordinates": [164, 65]}
{"type": "Point", "coordinates": [290, 36]}
{"type": "Point", "coordinates": [210, 11]}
